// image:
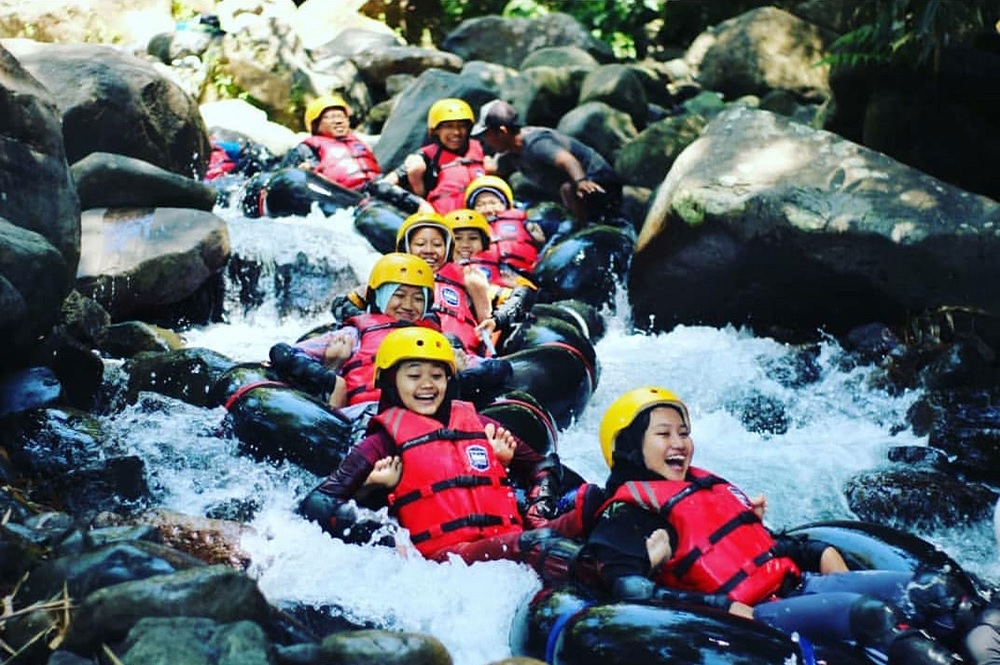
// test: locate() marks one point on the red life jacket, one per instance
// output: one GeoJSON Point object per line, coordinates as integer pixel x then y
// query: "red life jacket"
{"type": "Point", "coordinates": [454, 307]}
{"type": "Point", "coordinates": [453, 488]}
{"type": "Point", "coordinates": [359, 370]}
{"type": "Point", "coordinates": [450, 173]}
{"type": "Point", "coordinates": [722, 546]}
{"type": "Point", "coordinates": [347, 161]}
{"type": "Point", "coordinates": [514, 244]}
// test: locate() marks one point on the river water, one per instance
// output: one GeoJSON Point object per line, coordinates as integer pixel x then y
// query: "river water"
{"type": "Point", "coordinates": [837, 426]}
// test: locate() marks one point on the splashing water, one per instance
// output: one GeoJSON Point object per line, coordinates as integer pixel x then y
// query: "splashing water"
{"type": "Point", "coordinates": [835, 426]}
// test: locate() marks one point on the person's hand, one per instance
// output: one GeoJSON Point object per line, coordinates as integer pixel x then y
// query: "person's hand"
{"type": "Point", "coordinates": [487, 326]}
{"type": "Point", "coordinates": [476, 281]}
{"type": "Point", "coordinates": [658, 547]}
{"type": "Point", "coordinates": [386, 472]}
{"type": "Point", "coordinates": [478, 287]}
{"type": "Point", "coordinates": [758, 505]}
{"type": "Point", "coordinates": [461, 360]}
{"type": "Point", "coordinates": [536, 232]}
{"type": "Point", "coordinates": [585, 187]}
{"type": "Point", "coordinates": [741, 610]}
{"type": "Point", "coordinates": [502, 441]}
{"type": "Point", "coordinates": [305, 166]}
{"type": "Point", "coordinates": [338, 349]}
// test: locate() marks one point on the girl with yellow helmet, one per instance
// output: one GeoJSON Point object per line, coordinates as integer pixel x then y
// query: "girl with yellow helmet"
{"type": "Point", "coordinates": [510, 295]}
{"type": "Point", "coordinates": [461, 297]}
{"type": "Point", "coordinates": [332, 150]}
{"type": "Point", "coordinates": [440, 171]}
{"type": "Point", "coordinates": [399, 294]}
{"type": "Point", "coordinates": [516, 240]}
{"type": "Point", "coordinates": [650, 542]}
{"type": "Point", "coordinates": [452, 492]}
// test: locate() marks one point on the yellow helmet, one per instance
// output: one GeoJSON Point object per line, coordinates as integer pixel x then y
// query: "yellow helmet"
{"type": "Point", "coordinates": [463, 218]}
{"type": "Point", "coordinates": [444, 110]}
{"type": "Point", "coordinates": [413, 343]}
{"type": "Point", "coordinates": [316, 107]}
{"type": "Point", "coordinates": [401, 268]}
{"type": "Point", "coordinates": [489, 183]}
{"type": "Point", "coordinates": [418, 220]}
{"type": "Point", "coordinates": [624, 410]}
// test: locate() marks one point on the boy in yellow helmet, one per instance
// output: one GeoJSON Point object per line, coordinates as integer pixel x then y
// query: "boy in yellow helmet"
{"type": "Point", "coordinates": [333, 150]}
{"type": "Point", "coordinates": [440, 171]}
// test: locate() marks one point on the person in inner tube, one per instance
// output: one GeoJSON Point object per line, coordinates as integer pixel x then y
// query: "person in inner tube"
{"type": "Point", "coordinates": [517, 240]}
{"type": "Point", "coordinates": [462, 297]}
{"type": "Point", "coordinates": [650, 534]}
{"type": "Point", "coordinates": [510, 295]}
{"type": "Point", "coordinates": [399, 293]}
{"type": "Point", "coordinates": [441, 170]}
{"type": "Point", "coordinates": [340, 363]}
{"type": "Point", "coordinates": [441, 468]}
{"type": "Point", "coordinates": [332, 149]}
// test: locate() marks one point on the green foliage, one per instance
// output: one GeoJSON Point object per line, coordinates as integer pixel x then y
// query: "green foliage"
{"type": "Point", "coordinates": [909, 32]}
{"type": "Point", "coordinates": [182, 11]}
{"type": "Point", "coordinates": [616, 22]}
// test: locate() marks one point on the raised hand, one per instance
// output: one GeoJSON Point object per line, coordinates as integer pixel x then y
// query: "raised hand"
{"type": "Point", "coordinates": [758, 505]}
{"type": "Point", "coordinates": [658, 547]}
{"type": "Point", "coordinates": [502, 442]}
{"type": "Point", "coordinates": [338, 350]}
{"type": "Point", "coordinates": [386, 472]}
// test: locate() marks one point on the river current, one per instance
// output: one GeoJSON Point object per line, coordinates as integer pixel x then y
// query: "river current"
{"type": "Point", "coordinates": [838, 425]}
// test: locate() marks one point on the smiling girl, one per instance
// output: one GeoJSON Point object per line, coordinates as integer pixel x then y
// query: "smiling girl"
{"type": "Point", "coordinates": [440, 467]}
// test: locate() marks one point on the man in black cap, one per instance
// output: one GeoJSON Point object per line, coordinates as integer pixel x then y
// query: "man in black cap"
{"type": "Point", "coordinates": [587, 185]}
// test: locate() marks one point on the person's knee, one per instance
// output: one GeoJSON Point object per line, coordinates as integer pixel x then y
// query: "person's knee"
{"type": "Point", "coordinates": [872, 622]}
{"type": "Point", "coordinates": [553, 557]}
{"type": "Point", "coordinates": [938, 603]}
{"type": "Point", "coordinates": [982, 645]}
{"type": "Point", "coordinates": [982, 642]}
{"type": "Point", "coordinates": [318, 507]}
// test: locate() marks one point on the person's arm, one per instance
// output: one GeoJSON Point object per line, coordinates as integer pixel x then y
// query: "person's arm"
{"type": "Point", "coordinates": [302, 370]}
{"type": "Point", "coordinates": [540, 474]}
{"type": "Point", "coordinates": [338, 396]}
{"type": "Point", "coordinates": [515, 307]}
{"type": "Point", "coordinates": [575, 173]}
{"type": "Point", "coordinates": [809, 554]}
{"type": "Point", "coordinates": [618, 543]}
{"type": "Point", "coordinates": [329, 504]}
{"type": "Point", "coordinates": [410, 174]}
{"type": "Point", "coordinates": [301, 156]}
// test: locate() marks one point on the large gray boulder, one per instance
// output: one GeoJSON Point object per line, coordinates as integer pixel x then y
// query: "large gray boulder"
{"type": "Point", "coordinates": [115, 102]}
{"type": "Point", "coordinates": [763, 50]}
{"type": "Point", "coordinates": [106, 180]}
{"type": "Point", "coordinates": [508, 41]}
{"type": "Point", "coordinates": [39, 214]}
{"type": "Point", "coordinates": [138, 260]}
{"type": "Point", "coordinates": [766, 222]}
{"type": "Point", "coordinates": [619, 86]}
